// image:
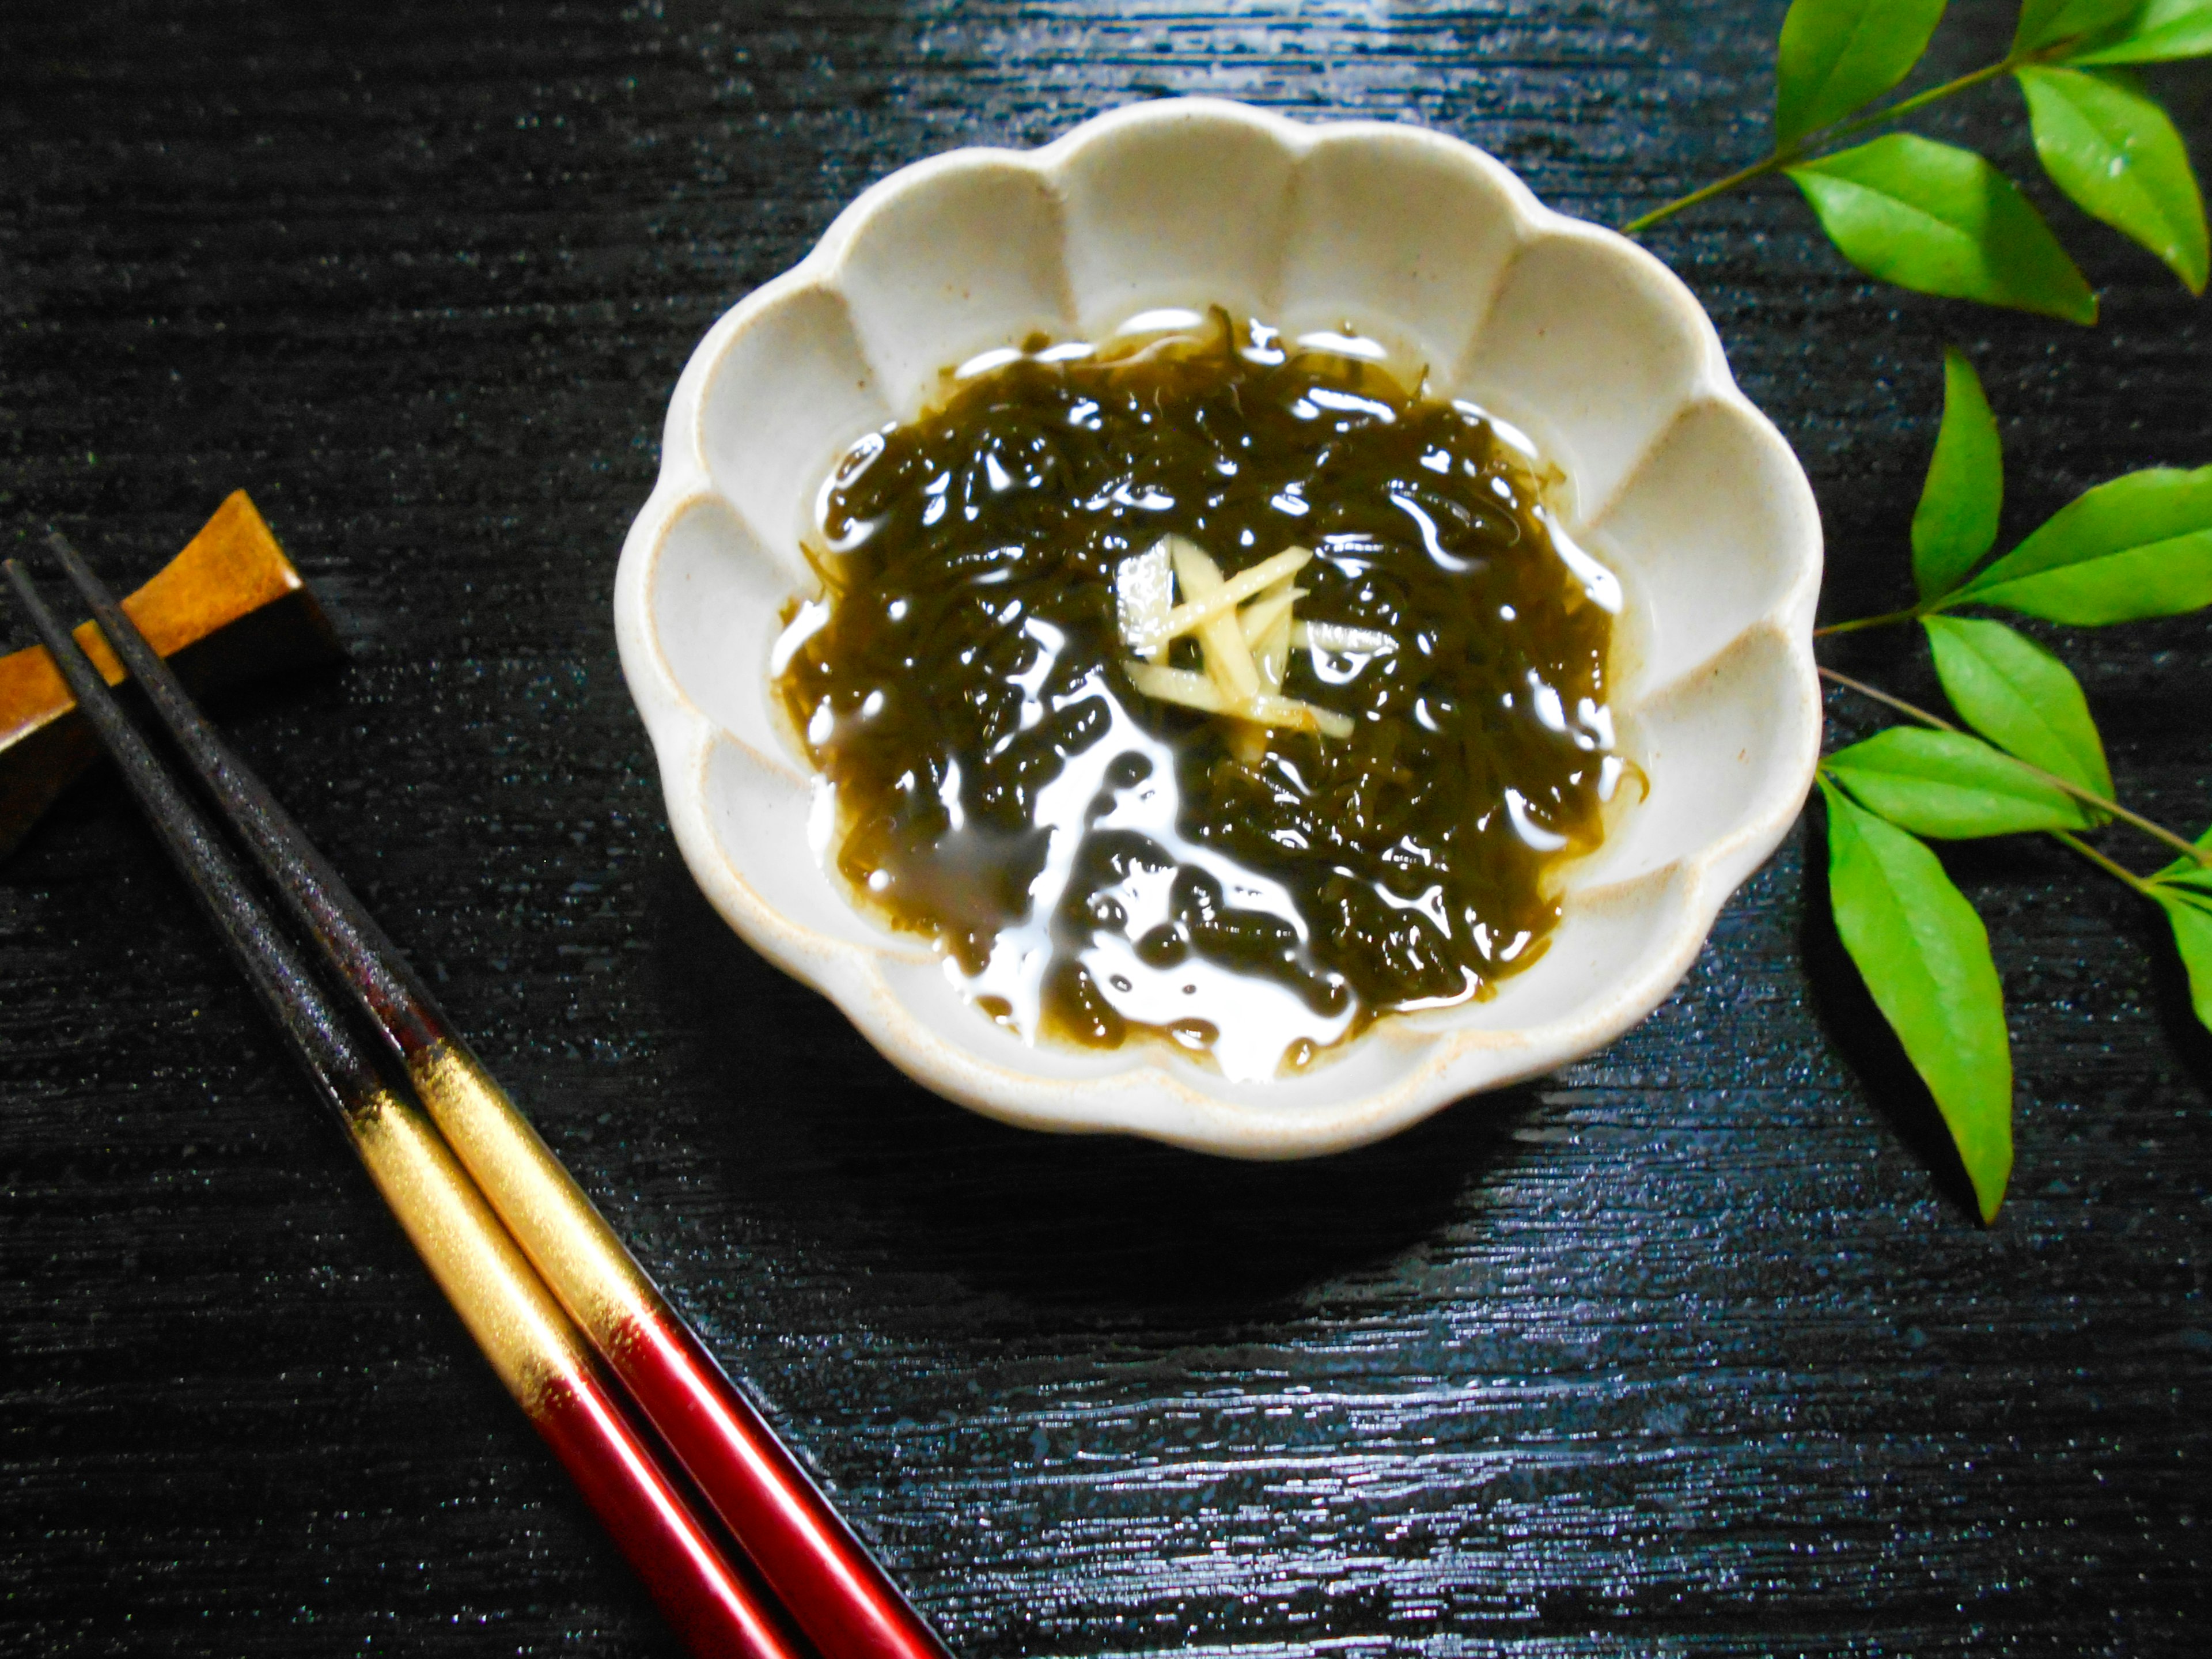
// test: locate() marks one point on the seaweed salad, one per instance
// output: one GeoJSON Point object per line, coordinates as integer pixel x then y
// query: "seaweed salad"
{"type": "Point", "coordinates": [1206, 684]}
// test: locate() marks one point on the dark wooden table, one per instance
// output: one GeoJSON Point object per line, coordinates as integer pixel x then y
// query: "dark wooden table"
{"type": "Point", "coordinates": [1694, 1347]}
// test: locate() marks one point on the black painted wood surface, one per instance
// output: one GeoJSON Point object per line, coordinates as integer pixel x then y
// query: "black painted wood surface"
{"type": "Point", "coordinates": [1693, 1348]}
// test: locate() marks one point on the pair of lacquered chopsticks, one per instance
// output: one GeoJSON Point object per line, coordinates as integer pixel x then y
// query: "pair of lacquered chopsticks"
{"type": "Point", "coordinates": [574, 1329]}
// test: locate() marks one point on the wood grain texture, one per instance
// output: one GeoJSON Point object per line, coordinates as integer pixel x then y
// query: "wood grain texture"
{"type": "Point", "coordinates": [1693, 1348]}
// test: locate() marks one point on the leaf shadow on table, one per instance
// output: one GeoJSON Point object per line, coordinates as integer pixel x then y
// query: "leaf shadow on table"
{"type": "Point", "coordinates": [807, 1122]}
{"type": "Point", "coordinates": [1855, 1027]}
{"type": "Point", "coordinates": [2145, 929]}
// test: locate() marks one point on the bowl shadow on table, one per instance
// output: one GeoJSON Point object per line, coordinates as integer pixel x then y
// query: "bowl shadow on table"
{"type": "Point", "coordinates": [1856, 1029]}
{"type": "Point", "coordinates": [804, 1118]}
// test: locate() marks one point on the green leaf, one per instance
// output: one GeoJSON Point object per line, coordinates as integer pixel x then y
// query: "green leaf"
{"type": "Point", "coordinates": [1956, 521]}
{"type": "Point", "coordinates": [2046, 22]}
{"type": "Point", "coordinates": [2159, 32]}
{"type": "Point", "coordinates": [1836, 55]}
{"type": "Point", "coordinates": [1951, 786]}
{"type": "Point", "coordinates": [1925, 957]}
{"type": "Point", "coordinates": [2137, 546]}
{"type": "Point", "coordinates": [2192, 936]}
{"type": "Point", "coordinates": [2019, 696]}
{"type": "Point", "coordinates": [1940, 220]}
{"type": "Point", "coordinates": [2112, 149]}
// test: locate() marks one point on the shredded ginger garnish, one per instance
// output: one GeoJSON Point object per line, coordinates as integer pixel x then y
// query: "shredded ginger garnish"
{"type": "Point", "coordinates": [1244, 629]}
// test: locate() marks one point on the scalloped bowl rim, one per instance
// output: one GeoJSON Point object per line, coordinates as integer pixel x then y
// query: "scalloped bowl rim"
{"type": "Point", "coordinates": [1155, 1094]}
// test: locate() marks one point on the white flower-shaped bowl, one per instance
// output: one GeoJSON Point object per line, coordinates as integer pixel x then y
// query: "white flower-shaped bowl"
{"type": "Point", "coordinates": [1567, 330]}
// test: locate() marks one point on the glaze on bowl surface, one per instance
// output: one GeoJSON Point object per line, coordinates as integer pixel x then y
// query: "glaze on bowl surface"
{"type": "Point", "coordinates": [1567, 330]}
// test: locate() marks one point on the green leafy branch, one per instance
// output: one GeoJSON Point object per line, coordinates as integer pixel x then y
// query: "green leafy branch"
{"type": "Point", "coordinates": [1940, 219]}
{"type": "Point", "coordinates": [2138, 546]}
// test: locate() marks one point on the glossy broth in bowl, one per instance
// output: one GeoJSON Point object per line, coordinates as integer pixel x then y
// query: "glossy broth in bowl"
{"type": "Point", "coordinates": [1205, 686]}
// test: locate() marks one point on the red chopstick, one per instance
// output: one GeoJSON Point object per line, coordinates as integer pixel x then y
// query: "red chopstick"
{"type": "Point", "coordinates": [834, 1591]}
{"type": "Point", "coordinates": [538, 1354]}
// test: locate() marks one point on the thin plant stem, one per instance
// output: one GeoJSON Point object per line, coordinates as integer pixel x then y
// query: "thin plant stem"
{"type": "Point", "coordinates": [1887, 619]}
{"type": "Point", "coordinates": [1911, 710]}
{"type": "Point", "coordinates": [2087, 797]}
{"type": "Point", "coordinates": [1781, 158]}
{"type": "Point", "coordinates": [2117, 871]}
{"type": "Point", "coordinates": [1799, 149]}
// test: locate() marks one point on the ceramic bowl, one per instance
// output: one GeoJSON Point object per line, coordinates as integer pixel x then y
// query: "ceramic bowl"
{"type": "Point", "coordinates": [1569, 331]}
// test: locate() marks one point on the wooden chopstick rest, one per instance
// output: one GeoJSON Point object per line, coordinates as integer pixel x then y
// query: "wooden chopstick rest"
{"type": "Point", "coordinates": [228, 607]}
